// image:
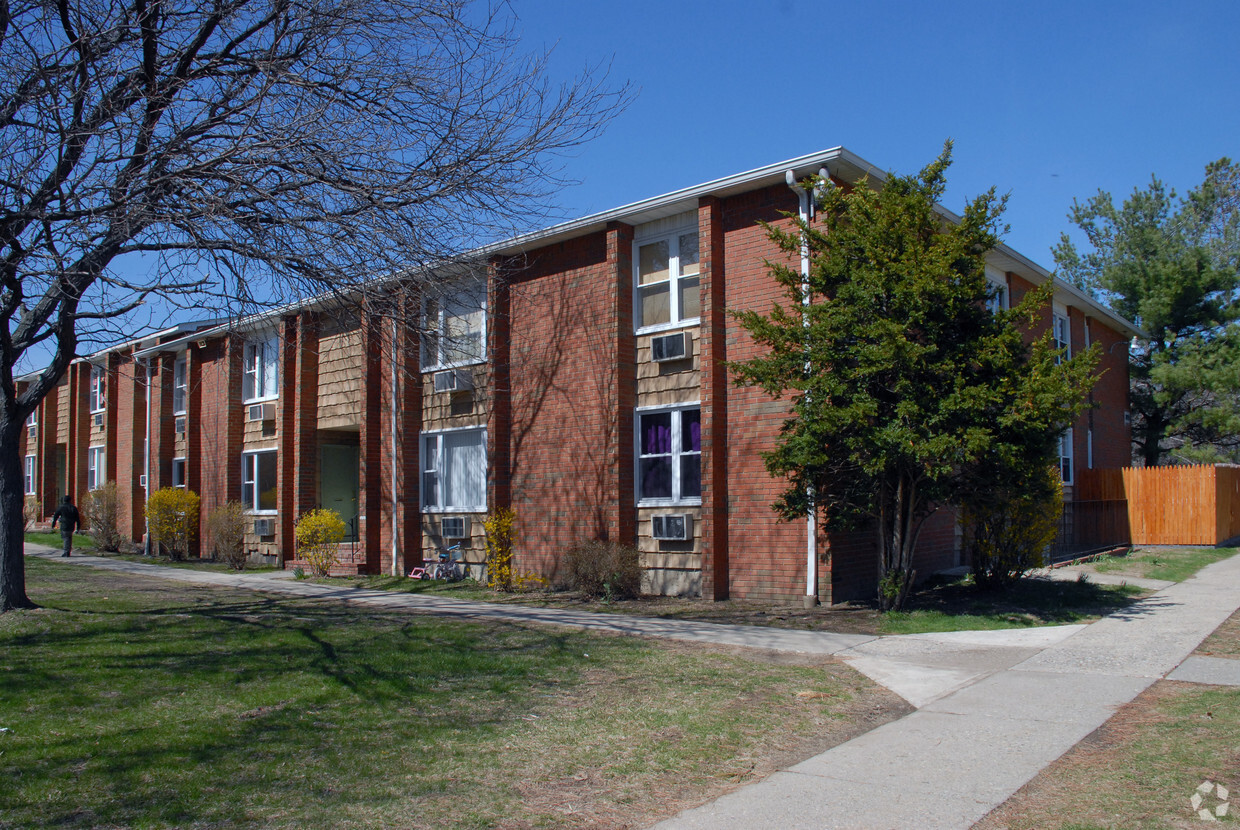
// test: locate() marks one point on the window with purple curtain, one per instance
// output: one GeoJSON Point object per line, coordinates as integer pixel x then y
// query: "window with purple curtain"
{"type": "Point", "coordinates": [670, 453]}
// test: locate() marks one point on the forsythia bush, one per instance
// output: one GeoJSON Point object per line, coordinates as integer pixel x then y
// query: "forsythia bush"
{"type": "Point", "coordinates": [227, 524]}
{"type": "Point", "coordinates": [319, 533]}
{"type": "Point", "coordinates": [501, 534]}
{"type": "Point", "coordinates": [1007, 541]}
{"type": "Point", "coordinates": [172, 516]}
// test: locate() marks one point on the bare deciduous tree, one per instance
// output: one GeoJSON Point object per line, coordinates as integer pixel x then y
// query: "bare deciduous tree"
{"type": "Point", "coordinates": [246, 153]}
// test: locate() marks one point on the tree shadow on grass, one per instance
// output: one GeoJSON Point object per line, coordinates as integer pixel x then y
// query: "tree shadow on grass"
{"type": "Point", "coordinates": [1028, 601]}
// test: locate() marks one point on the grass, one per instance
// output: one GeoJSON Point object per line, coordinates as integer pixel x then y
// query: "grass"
{"type": "Point", "coordinates": [55, 540]}
{"type": "Point", "coordinates": [132, 702]}
{"type": "Point", "coordinates": [1142, 767]}
{"type": "Point", "coordinates": [1173, 564]}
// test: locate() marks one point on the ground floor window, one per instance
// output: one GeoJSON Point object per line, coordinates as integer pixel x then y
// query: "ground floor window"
{"type": "Point", "coordinates": [258, 481]}
{"type": "Point", "coordinates": [454, 470]}
{"type": "Point", "coordinates": [96, 473]}
{"type": "Point", "coordinates": [30, 480]}
{"type": "Point", "coordinates": [178, 472]}
{"type": "Point", "coordinates": [669, 449]}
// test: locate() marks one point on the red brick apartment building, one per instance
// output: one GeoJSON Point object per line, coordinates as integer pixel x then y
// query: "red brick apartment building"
{"type": "Point", "coordinates": [581, 382]}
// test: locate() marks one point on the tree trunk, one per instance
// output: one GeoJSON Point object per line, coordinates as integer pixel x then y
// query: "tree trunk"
{"type": "Point", "coordinates": [12, 519]}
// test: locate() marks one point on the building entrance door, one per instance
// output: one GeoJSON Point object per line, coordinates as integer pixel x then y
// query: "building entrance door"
{"type": "Point", "coordinates": [338, 483]}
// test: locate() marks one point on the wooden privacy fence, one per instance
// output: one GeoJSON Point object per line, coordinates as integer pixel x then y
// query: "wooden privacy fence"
{"type": "Point", "coordinates": [1165, 505]}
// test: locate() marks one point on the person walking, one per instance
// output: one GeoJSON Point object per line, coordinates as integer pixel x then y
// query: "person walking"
{"type": "Point", "coordinates": [69, 519]}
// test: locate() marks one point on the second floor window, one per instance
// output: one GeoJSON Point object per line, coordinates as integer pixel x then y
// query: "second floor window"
{"type": "Point", "coordinates": [261, 372]}
{"type": "Point", "coordinates": [667, 274]}
{"type": "Point", "coordinates": [98, 389]}
{"type": "Point", "coordinates": [454, 327]}
{"type": "Point", "coordinates": [1062, 335]}
{"type": "Point", "coordinates": [179, 388]}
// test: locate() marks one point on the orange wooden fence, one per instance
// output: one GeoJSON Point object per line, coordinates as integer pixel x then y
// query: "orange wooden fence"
{"type": "Point", "coordinates": [1170, 505]}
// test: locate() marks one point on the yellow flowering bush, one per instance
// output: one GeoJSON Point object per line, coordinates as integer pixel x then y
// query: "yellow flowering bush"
{"type": "Point", "coordinates": [319, 533]}
{"type": "Point", "coordinates": [500, 529]}
{"type": "Point", "coordinates": [172, 516]}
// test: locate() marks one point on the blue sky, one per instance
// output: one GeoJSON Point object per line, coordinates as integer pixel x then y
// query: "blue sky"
{"type": "Point", "coordinates": [1046, 101]}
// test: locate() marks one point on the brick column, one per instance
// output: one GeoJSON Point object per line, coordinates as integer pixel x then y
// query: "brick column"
{"type": "Point", "coordinates": [400, 384]}
{"type": "Point", "coordinates": [298, 422]}
{"type": "Point", "coordinates": [78, 431]}
{"type": "Point", "coordinates": [370, 453]}
{"type": "Point", "coordinates": [499, 414]}
{"type": "Point", "coordinates": [623, 520]}
{"type": "Point", "coordinates": [713, 344]}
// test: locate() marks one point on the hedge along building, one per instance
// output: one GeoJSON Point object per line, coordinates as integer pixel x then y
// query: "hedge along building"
{"type": "Point", "coordinates": [576, 375]}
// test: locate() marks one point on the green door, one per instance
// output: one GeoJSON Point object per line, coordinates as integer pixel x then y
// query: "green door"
{"type": "Point", "coordinates": [338, 483]}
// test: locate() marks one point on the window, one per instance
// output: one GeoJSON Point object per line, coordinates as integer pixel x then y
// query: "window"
{"type": "Point", "coordinates": [454, 470]}
{"type": "Point", "coordinates": [258, 481]}
{"type": "Point", "coordinates": [1065, 456]}
{"type": "Point", "coordinates": [30, 477]}
{"type": "Point", "coordinates": [98, 389]}
{"type": "Point", "coordinates": [669, 449]}
{"type": "Point", "coordinates": [178, 472]}
{"type": "Point", "coordinates": [998, 300]}
{"type": "Point", "coordinates": [666, 271]}
{"type": "Point", "coordinates": [1061, 334]}
{"type": "Point", "coordinates": [260, 366]}
{"type": "Point", "coordinates": [179, 388]}
{"type": "Point", "coordinates": [454, 328]}
{"type": "Point", "coordinates": [32, 422]}
{"type": "Point", "coordinates": [96, 470]}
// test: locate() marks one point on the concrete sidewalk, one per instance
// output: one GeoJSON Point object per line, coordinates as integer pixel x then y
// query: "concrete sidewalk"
{"type": "Point", "coordinates": [965, 752]}
{"type": "Point", "coordinates": [994, 707]}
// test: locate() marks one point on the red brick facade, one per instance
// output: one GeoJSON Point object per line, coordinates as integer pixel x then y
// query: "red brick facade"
{"type": "Point", "coordinates": [555, 399]}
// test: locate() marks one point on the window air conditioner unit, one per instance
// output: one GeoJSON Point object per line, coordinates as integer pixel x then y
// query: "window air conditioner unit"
{"type": "Point", "coordinates": [262, 412]}
{"type": "Point", "coordinates": [178, 425]}
{"type": "Point", "coordinates": [454, 380]}
{"type": "Point", "coordinates": [264, 527]}
{"type": "Point", "coordinates": [670, 347]}
{"type": "Point", "coordinates": [673, 527]}
{"type": "Point", "coordinates": [98, 419]}
{"type": "Point", "coordinates": [454, 528]}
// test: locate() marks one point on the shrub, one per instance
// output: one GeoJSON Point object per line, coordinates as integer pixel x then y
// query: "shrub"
{"type": "Point", "coordinates": [226, 524]}
{"type": "Point", "coordinates": [172, 517]}
{"type": "Point", "coordinates": [500, 536]}
{"type": "Point", "coordinates": [1009, 538]}
{"type": "Point", "coordinates": [32, 510]}
{"type": "Point", "coordinates": [319, 533]}
{"type": "Point", "coordinates": [102, 517]}
{"type": "Point", "coordinates": [604, 569]}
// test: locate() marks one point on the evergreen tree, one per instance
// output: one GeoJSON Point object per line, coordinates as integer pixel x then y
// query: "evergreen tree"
{"type": "Point", "coordinates": [908, 394]}
{"type": "Point", "coordinates": [1173, 268]}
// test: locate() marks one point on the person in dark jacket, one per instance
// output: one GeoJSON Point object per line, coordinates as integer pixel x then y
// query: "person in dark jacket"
{"type": "Point", "coordinates": [69, 519]}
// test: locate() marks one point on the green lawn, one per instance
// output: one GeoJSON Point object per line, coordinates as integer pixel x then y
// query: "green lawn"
{"type": "Point", "coordinates": [55, 540]}
{"type": "Point", "coordinates": [1174, 564]}
{"type": "Point", "coordinates": [143, 703]}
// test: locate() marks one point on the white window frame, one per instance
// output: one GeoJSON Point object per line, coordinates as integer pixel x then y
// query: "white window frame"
{"type": "Point", "coordinates": [431, 463]}
{"type": "Point", "coordinates": [30, 469]}
{"type": "Point", "coordinates": [436, 339]}
{"type": "Point", "coordinates": [1061, 334]}
{"type": "Point", "coordinates": [96, 467]}
{"type": "Point", "coordinates": [261, 370]}
{"type": "Point", "coordinates": [675, 276]}
{"type": "Point", "coordinates": [1066, 461]}
{"type": "Point", "coordinates": [180, 387]}
{"type": "Point", "coordinates": [32, 420]}
{"type": "Point", "coordinates": [676, 454]}
{"type": "Point", "coordinates": [249, 481]}
{"type": "Point", "coordinates": [98, 389]}
{"type": "Point", "coordinates": [181, 461]}
{"type": "Point", "coordinates": [1001, 301]}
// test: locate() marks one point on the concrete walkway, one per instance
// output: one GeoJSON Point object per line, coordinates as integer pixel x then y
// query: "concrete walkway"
{"type": "Point", "coordinates": [993, 707]}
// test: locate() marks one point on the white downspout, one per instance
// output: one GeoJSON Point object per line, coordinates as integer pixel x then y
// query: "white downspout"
{"type": "Point", "coordinates": [396, 570]}
{"type": "Point", "coordinates": [146, 464]}
{"type": "Point", "coordinates": [811, 528]}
